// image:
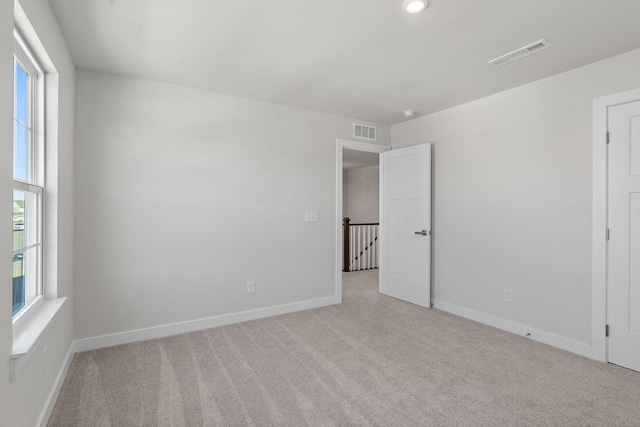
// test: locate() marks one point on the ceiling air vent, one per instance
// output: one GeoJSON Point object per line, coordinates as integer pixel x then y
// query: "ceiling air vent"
{"type": "Point", "coordinates": [521, 53]}
{"type": "Point", "coordinates": [363, 131]}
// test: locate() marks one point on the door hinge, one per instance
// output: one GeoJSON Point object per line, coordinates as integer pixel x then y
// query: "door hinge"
{"type": "Point", "coordinates": [606, 330]}
{"type": "Point", "coordinates": [607, 234]}
{"type": "Point", "coordinates": [607, 137]}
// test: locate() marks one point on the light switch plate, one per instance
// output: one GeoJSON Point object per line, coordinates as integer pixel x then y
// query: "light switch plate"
{"type": "Point", "coordinates": [311, 216]}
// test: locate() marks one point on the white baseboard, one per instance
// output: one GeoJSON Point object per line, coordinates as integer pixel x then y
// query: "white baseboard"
{"type": "Point", "coordinates": [199, 324]}
{"type": "Point", "coordinates": [57, 386]}
{"type": "Point", "coordinates": [544, 337]}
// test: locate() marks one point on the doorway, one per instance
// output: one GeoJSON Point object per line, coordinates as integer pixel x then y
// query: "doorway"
{"type": "Point", "coordinates": [354, 155]}
{"type": "Point", "coordinates": [360, 210]}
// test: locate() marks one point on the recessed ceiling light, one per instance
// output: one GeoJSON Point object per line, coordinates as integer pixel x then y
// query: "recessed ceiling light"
{"type": "Point", "coordinates": [409, 113]}
{"type": "Point", "coordinates": [415, 6]}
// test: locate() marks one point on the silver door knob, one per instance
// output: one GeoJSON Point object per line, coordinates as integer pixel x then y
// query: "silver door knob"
{"type": "Point", "coordinates": [423, 233]}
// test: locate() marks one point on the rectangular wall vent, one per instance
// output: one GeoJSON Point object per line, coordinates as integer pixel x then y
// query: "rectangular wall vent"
{"type": "Point", "coordinates": [363, 131]}
{"type": "Point", "coordinates": [521, 53]}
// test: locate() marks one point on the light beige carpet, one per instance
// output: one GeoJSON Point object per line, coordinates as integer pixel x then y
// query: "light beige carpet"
{"type": "Point", "coordinates": [372, 360]}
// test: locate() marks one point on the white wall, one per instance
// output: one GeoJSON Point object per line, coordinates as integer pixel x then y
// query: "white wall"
{"type": "Point", "coordinates": [361, 194]}
{"type": "Point", "coordinates": [512, 197]}
{"type": "Point", "coordinates": [22, 401]}
{"type": "Point", "coordinates": [184, 195]}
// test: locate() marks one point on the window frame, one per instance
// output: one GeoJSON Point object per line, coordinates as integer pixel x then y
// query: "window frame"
{"type": "Point", "coordinates": [35, 183]}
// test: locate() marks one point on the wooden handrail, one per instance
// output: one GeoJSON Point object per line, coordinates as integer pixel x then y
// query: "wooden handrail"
{"type": "Point", "coordinates": [364, 223]}
{"type": "Point", "coordinates": [345, 257]}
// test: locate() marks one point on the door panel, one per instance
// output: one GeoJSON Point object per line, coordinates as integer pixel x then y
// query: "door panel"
{"type": "Point", "coordinates": [406, 209]}
{"type": "Point", "coordinates": [634, 264]}
{"type": "Point", "coordinates": [634, 149]}
{"type": "Point", "coordinates": [394, 228]}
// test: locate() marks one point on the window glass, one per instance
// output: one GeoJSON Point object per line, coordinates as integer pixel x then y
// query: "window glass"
{"type": "Point", "coordinates": [25, 277]}
{"type": "Point", "coordinates": [27, 194]}
{"type": "Point", "coordinates": [22, 94]}
{"type": "Point", "coordinates": [26, 219]}
{"type": "Point", "coordinates": [18, 220]}
{"type": "Point", "coordinates": [18, 283]}
{"type": "Point", "coordinates": [21, 153]}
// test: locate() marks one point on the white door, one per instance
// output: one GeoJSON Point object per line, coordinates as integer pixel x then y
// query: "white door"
{"type": "Point", "coordinates": [405, 224]}
{"type": "Point", "coordinates": [623, 284]}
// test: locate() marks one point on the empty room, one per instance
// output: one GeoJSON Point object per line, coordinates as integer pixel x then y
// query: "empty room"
{"type": "Point", "coordinates": [335, 213]}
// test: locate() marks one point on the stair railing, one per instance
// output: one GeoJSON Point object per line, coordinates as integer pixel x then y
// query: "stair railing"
{"type": "Point", "coordinates": [360, 245]}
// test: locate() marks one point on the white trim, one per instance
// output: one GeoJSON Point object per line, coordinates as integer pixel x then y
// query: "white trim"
{"type": "Point", "coordinates": [341, 144]}
{"type": "Point", "coordinates": [26, 187]}
{"type": "Point", "coordinates": [27, 58]}
{"type": "Point", "coordinates": [583, 349]}
{"type": "Point", "coordinates": [600, 219]}
{"type": "Point", "coordinates": [23, 250]}
{"type": "Point", "coordinates": [21, 315]}
{"type": "Point", "coordinates": [381, 219]}
{"type": "Point", "coordinates": [199, 324]}
{"type": "Point", "coordinates": [57, 386]}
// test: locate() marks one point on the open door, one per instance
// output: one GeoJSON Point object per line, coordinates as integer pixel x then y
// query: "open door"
{"type": "Point", "coordinates": [624, 241]}
{"type": "Point", "coordinates": [405, 224]}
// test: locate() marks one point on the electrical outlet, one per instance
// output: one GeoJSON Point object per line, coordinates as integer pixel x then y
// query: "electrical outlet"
{"type": "Point", "coordinates": [506, 294]}
{"type": "Point", "coordinates": [311, 216]}
{"type": "Point", "coordinates": [44, 360]}
{"type": "Point", "coordinates": [251, 287]}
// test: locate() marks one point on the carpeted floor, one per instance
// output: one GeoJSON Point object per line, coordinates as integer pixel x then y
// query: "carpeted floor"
{"type": "Point", "coordinates": [372, 360]}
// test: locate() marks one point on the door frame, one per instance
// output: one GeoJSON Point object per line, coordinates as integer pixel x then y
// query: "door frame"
{"type": "Point", "coordinates": [600, 218]}
{"type": "Point", "coordinates": [341, 145]}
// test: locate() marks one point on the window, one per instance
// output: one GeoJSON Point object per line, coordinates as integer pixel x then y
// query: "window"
{"type": "Point", "coordinates": [28, 176]}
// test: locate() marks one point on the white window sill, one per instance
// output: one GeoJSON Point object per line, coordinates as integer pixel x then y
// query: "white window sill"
{"type": "Point", "coordinates": [29, 331]}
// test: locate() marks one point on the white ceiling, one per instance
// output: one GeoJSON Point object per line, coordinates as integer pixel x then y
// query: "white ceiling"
{"type": "Point", "coordinates": [366, 59]}
{"type": "Point", "coordinates": [352, 159]}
